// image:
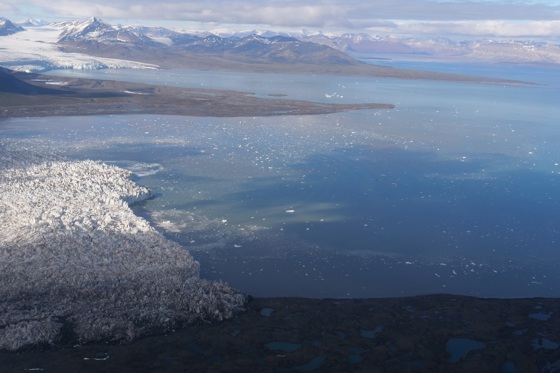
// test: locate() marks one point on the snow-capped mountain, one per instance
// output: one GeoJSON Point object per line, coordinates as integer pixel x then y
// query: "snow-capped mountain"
{"type": "Point", "coordinates": [98, 38]}
{"type": "Point", "coordinates": [32, 22]}
{"type": "Point", "coordinates": [8, 28]}
{"type": "Point", "coordinates": [95, 31]}
{"type": "Point", "coordinates": [281, 48]}
{"type": "Point", "coordinates": [242, 34]}
{"type": "Point", "coordinates": [514, 51]}
{"type": "Point", "coordinates": [488, 50]}
{"type": "Point", "coordinates": [36, 49]}
{"type": "Point", "coordinates": [204, 44]}
{"type": "Point", "coordinates": [64, 25]}
{"type": "Point", "coordinates": [92, 28]}
{"type": "Point", "coordinates": [158, 34]}
{"type": "Point", "coordinates": [185, 39]}
{"type": "Point", "coordinates": [485, 50]}
{"type": "Point", "coordinates": [362, 42]}
{"type": "Point", "coordinates": [94, 44]}
{"type": "Point", "coordinates": [276, 49]}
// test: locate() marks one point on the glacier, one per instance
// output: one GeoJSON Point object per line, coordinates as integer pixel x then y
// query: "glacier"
{"type": "Point", "coordinates": [76, 264]}
{"type": "Point", "coordinates": [35, 50]}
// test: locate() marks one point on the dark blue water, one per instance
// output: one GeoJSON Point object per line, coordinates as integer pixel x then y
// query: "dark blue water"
{"type": "Point", "coordinates": [455, 190]}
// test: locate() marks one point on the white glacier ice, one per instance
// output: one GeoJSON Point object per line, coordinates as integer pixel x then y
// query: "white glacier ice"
{"type": "Point", "coordinates": [76, 264]}
{"type": "Point", "coordinates": [35, 50]}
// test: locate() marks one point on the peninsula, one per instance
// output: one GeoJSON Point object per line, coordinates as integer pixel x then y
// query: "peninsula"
{"type": "Point", "coordinates": [37, 95]}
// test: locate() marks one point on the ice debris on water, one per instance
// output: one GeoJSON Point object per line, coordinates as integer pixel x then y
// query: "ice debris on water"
{"type": "Point", "coordinates": [75, 260]}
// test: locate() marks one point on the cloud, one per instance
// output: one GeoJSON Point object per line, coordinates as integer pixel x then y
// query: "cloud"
{"type": "Point", "coordinates": [493, 28]}
{"type": "Point", "coordinates": [6, 8]}
{"type": "Point", "coordinates": [357, 15]}
{"type": "Point", "coordinates": [301, 12]}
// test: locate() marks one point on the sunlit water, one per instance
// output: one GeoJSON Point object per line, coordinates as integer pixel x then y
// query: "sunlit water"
{"type": "Point", "coordinates": [456, 190]}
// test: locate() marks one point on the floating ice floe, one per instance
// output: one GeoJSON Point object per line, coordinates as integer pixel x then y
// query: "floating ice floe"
{"type": "Point", "coordinates": [75, 260]}
{"type": "Point", "coordinates": [140, 169]}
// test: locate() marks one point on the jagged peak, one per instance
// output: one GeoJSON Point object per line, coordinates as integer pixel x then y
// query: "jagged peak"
{"type": "Point", "coordinates": [7, 27]}
{"type": "Point", "coordinates": [273, 39]}
{"type": "Point", "coordinates": [93, 24]}
{"type": "Point", "coordinates": [93, 19]}
{"type": "Point", "coordinates": [97, 22]}
{"type": "Point", "coordinates": [33, 22]}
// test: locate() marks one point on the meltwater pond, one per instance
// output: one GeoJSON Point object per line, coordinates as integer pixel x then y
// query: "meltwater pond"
{"type": "Point", "coordinates": [455, 190]}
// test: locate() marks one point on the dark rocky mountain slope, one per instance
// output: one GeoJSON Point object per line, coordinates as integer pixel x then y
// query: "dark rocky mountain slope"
{"type": "Point", "coordinates": [10, 83]}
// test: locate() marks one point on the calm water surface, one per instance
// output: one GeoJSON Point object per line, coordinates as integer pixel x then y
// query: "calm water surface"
{"type": "Point", "coordinates": [456, 190]}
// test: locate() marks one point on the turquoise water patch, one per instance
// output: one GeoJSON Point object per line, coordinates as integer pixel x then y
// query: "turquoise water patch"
{"type": "Point", "coordinates": [458, 348]}
{"type": "Point", "coordinates": [540, 316]}
{"type": "Point", "coordinates": [236, 332]}
{"type": "Point", "coordinates": [544, 343]}
{"type": "Point", "coordinates": [266, 311]}
{"type": "Point", "coordinates": [355, 358]}
{"type": "Point", "coordinates": [283, 346]}
{"type": "Point", "coordinates": [355, 355]}
{"type": "Point", "coordinates": [316, 343]}
{"type": "Point", "coordinates": [315, 363]}
{"type": "Point", "coordinates": [508, 367]}
{"type": "Point", "coordinates": [371, 333]}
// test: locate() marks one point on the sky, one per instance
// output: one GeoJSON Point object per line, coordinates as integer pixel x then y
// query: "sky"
{"type": "Point", "coordinates": [465, 18]}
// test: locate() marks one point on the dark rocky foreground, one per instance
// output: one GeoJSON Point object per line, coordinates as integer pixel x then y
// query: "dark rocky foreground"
{"type": "Point", "coordinates": [435, 333]}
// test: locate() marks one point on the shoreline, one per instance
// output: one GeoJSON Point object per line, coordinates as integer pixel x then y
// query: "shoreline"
{"type": "Point", "coordinates": [39, 97]}
{"type": "Point", "coordinates": [302, 334]}
{"type": "Point", "coordinates": [44, 95]}
{"type": "Point", "coordinates": [265, 334]}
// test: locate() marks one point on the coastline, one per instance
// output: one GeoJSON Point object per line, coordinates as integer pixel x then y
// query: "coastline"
{"type": "Point", "coordinates": [106, 316]}
{"type": "Point", "coordinates": [45, 95]}
{"type": "Point", "coordinates": [70, 97]}
{"type": "Point", "coordinates": [416, 330]}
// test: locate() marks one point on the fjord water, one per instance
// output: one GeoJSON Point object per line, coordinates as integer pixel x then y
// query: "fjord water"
{"type": "Point", "coordinates": [456, 190]}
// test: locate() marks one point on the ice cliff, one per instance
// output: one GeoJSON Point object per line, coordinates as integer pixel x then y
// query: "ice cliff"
{"type": "Point", "coordinates": [76, 265]}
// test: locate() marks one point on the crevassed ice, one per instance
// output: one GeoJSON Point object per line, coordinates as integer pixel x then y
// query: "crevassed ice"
{"type": "Point", "coordinates": [74, 257]}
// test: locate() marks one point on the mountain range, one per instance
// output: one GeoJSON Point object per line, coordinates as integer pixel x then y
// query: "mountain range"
{"type": "Point", "coordinates": [97, 44]}
{"type": "Point", "coordinates": [305, 47]}
{"type": "Point", "coordinates": [143, 44]}
{"type": "Point", "coordinates": [488, 50]}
